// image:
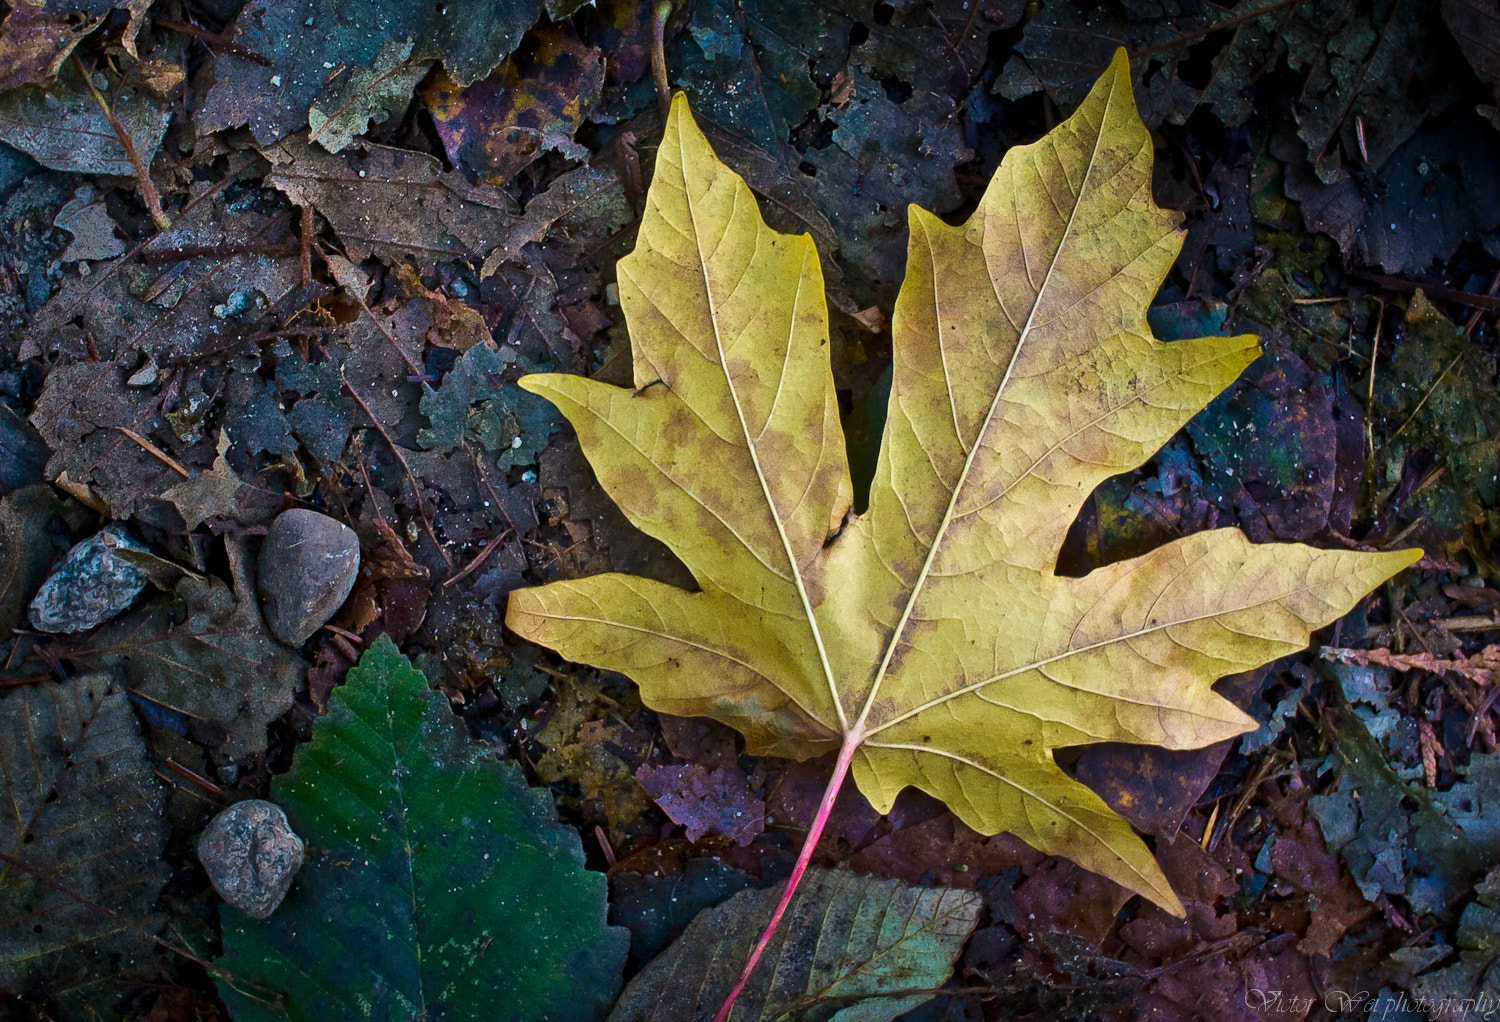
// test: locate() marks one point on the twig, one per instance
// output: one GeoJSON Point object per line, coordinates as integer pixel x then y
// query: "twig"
{"type": "Point", "coordinates": [1488, 303]}
{"type": "Point", "coordinates": [417, 368]}
{"type": "Point", "coordinates": [1435, 383]}
{"type": "Point", "coordinates": [1482, 711]}
{"type": "Point", "coordinates": [156, 452]}
{"type": "Point", "coordinates": [1354, 93]}
{"type": "Point", "coordinates": [1261, 770]}
{"type": "Point", "coordinates": [1370, 398]}
{"type": "Point", "coordinates": [1474, 319]}
{"type": "Point", "coordinates": [411, 478]}
{"type": "Point", "coordinates": [173, 255]}
{"type": "Point", "coordinates": [345, 634]}
{"type": "Point", "coordinates": [479, 559]}
{"type": "Point", "coordinates": [659, 56]}
{"type": "Point", "coordinates": [142, 176]}
{"type": "Point", "coordinates": [212, 39]}
{"type": "Point", "coordinates": [1483, 668]}
{"type": "Point", "coordinates": [604, 846]}
{"type": "Point", "coordinates": [1472, 623]}
{"type": "Point", "coordinates": [199, 780]}
{"type": "Point", "coordinates": [306, 234]}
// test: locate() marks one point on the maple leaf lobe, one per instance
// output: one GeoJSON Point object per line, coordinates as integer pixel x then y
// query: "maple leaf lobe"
{"type": "Point", "coordinates": [931, 641]}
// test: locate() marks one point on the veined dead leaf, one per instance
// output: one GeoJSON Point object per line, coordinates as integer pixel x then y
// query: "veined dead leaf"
{"type": "Point", "coordinates": [929, 641]}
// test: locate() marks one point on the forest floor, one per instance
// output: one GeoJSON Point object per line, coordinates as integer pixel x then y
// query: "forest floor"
{"type": "Point", "coordinates": [341, 231]}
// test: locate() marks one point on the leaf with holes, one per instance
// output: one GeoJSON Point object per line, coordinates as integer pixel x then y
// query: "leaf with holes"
{"type": "Point", "coordinates": [929, 641]}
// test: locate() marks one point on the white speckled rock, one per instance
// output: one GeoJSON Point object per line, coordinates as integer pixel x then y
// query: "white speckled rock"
{"type": "Point", "coordinates": [89, 586]}
{"type": "Point", "coordinates": [307, 568]}
{"type": "Point", "coordinates": [251, 855]}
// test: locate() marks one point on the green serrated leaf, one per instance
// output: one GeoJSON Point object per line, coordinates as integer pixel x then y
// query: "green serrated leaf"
{"type": "Point", "coordinates": [852, 948]}
{"type": "Point", "coordinates": [438, 885]}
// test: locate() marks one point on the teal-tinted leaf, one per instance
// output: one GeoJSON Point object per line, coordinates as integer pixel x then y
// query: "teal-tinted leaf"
{"type": "Point", "coordinates": [475, 403]}
{"type": "Point", "coordinates": [851, 949]}
{"type": "Point", "coordinates": [438, 886]}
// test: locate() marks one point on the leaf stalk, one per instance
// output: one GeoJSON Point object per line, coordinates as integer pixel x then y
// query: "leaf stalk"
{"type": "Point", "coordinates": [851, 745]}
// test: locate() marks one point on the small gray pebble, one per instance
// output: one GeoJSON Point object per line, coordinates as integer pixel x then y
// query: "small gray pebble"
{"type": "Point", "coordinates": [307, 568]}
{"type": "Point", "coordinates": [251, 855]}
{"type": "Point", "coordinates": [89, 586]}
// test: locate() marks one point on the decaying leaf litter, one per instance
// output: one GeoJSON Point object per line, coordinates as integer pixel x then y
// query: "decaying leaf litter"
{"type": "Point", "coordinates": [462, 224]}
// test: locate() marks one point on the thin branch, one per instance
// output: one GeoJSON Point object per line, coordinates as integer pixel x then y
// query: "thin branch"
{"type": "Point", "coordinates": [416, 490]}
{"type": "Point", "coordinates": [143, 180]}
{"type": "Point", "coordinates": [156, 452]}
{"type": "Point", "coordinates": [659, 56]}
{"type": "Point", "coordinates": [1489, 303]}
{"type": "Point", "coordinates": [212, 40]}
{"type": "Point", "coordinates": [469, 568]}
{"type": "Point", "coordinates": [175, 255]}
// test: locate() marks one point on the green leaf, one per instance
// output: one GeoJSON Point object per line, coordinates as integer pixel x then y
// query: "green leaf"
{"type": "Point", "coordinates": [438, 886]}
{"type": "Point", "coordinates": [864, 947]}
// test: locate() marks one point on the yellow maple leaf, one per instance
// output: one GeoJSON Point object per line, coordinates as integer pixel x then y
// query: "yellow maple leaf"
{"type": "Point", "coordinates": [929, 641]}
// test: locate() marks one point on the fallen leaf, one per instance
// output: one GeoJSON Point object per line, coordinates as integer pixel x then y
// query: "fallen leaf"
{"type": "Point", "coordinates": [1469, 987]}
{"type": "Point", "coordinates": [1368, 76]}
{"type": "Point", "coordinates": [1400, 838]}
{"type": "Point", "coordinates": [1476, 25]}
{"type": "Point", "coordinates": [877, 949]}
{"type": "Point", "coordinates": [656, 907]}
{"type": "Point", "coordinates": [941, 851]}
{"type": "Point", "coordinates": [442, 888]}
{"type": "Point", "coordinates": [311, 44]}
{"type": "Point", "coordinates": [365, 96]}
{"type": "Point", "coordinates": [82, 833]}
{"type": "Point", "coordinates": [1203, 885]}
{"type": "Point", "coordinates": [699, 740]}
{"type": "Point", "coordinates": [595, 757]}
{"type": "Point", "coordinates": [207, 661]}
{"type": "Point", "coordinates": [34, 41]}
{"type": "Point", "coordinates": [478, 403]}
{"type": "Point", "coordinates": [215, 492]}
{"type": "Point", "coordinates": [85, 217]}
{"type": "Point", "coordinates": [1456, 427]}
{"type": "Point", "coordinates": [398, 204]}
{"type": "Point", "coordinates": [61, 126]}
{"type": "Point", "coordinates": [82, 413]}
{"type": "Point", "coordinates": [792, 805]}
{"type": "Point", "coordinates": [885, 155]}
{"type": "Point", "coordinates": [176, 309]}
{"type": "Point", "coordinates": [27, 518]}
{"type": "Point", "coordinates": [1269, 449]}
{"type": "Point", "coordinates": [1025, 374]}
{"type": "Point", "coordinates": [704, 802]}
{"type": "Point", "coordinates": [498, 126]}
